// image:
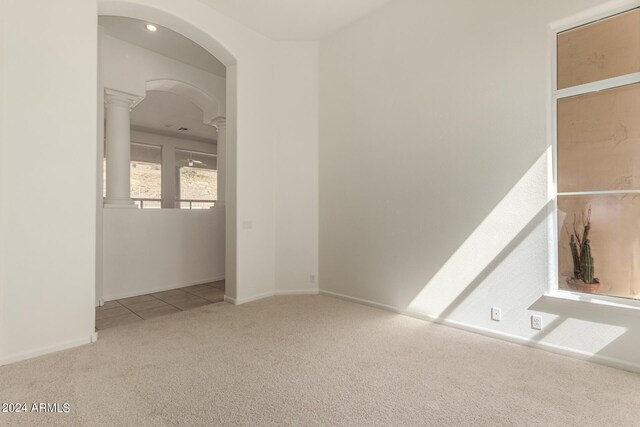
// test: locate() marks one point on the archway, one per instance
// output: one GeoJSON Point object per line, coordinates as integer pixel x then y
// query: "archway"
{"type": "Point", "coordinates": [212, 113]}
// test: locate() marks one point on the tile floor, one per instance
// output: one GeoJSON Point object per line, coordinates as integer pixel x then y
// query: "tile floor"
{"type": "Point", "coordinates": [134, 309]}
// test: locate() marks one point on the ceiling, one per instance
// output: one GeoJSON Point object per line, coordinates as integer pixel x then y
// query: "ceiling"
{"type": "Point", "coordinates": [164, 41]}
{"type": "Point", "coordinates": [165, 113]}
{"type": "Point", "coordinates": [295, 19]}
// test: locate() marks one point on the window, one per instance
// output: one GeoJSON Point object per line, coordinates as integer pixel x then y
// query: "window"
{"type": "Point", "coordinates": [597, 106]}
{"type": "Point", "coordinates": [146, 175]}
{"type": "Point", "coordinates": [196, 180]}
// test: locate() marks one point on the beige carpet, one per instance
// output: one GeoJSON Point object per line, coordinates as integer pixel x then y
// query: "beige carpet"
{"type": "Point", "coordinates": [313, 360]}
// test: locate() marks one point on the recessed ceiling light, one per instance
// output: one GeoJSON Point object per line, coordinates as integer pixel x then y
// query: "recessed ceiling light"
{"type": "Point", "coordinates": [152, 27]}
{"type": "Point", "coordinates": [183, 129]}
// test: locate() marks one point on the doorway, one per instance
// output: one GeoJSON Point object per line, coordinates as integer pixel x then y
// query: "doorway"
{"type": "Point", "coordinates": [175, 246]}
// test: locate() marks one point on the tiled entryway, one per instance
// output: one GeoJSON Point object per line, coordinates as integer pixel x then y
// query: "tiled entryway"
{"type": "Point", "coordinates": [127, 310]}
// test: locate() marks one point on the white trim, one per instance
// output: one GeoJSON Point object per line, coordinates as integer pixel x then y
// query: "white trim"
{"type": "Point", "coordinates": [597, 86]}
{"type": "Point", "coordinates": [120, 206]}
{"type": "Point", "coordinates": [594, 14]}
{"type": "Point", "coordinates": [553, 65]}
{"type": "Point", "coordinates": [553, 348]}
{"type": "Point", "coordinates": [552, 185]}
{"type": "Point", "coordinates": [48, 349]}
{"type": "Point", "coordinates": [237, 301]}
{"type": "Point", "coordinates": [162, 289]}
{"type": "Point", "coordinates": [297, 292]}
{"type": "Point", "coordinates": [610, 301]}
{"type": "Point", "coordinates": [596, 193]}
{"type": "Point", "coordinates": [230, 300]}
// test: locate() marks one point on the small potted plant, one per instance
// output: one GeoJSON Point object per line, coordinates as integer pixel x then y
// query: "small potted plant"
{"type": "Point", "coordinates": [583, 278]}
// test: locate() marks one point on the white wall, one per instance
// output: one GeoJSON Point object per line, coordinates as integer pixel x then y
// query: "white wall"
{"type": "Point", "coordinates": [99, 168]}
{"type": "Point", "coordinates": [434, 164]}
{"type": "Point", "coordinates": [296, 172]}
{"type": "Point", "coordinates": [48, 213]}
{"type": "Point", "coordinates": [151, 250]}
{"type": "Point", "coordinates": [4, 337]}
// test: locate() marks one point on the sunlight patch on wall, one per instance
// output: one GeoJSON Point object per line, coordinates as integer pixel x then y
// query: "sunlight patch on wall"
{"type": "Point", "coordinates": [529, 196]}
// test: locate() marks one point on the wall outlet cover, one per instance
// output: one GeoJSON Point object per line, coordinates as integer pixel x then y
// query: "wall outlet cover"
{"type": "Point", "coordinates": [536, 322]}
{"type": "Point", "coordinates": [496, 314]}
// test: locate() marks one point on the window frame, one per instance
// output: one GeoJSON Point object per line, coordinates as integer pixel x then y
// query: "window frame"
{"type": "Point", "coordinates": [602, 12]}
{"type": "Point", "coordinates": [178, 184]}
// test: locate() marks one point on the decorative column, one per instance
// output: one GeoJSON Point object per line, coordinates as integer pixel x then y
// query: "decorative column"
{"type": "Point", "coordinates": [118, 106]}
{"type": "Point", "coordinates": [220, 124]}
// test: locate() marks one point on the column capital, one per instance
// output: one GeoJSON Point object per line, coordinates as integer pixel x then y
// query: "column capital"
{"type": "Point", "coordinates": [117, 97]}
{"type": "Point", "coordinates": [220, 123]}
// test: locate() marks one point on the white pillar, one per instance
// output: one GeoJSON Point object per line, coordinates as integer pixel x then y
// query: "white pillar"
{"type": "Point", "coordinates": [118, 106]}
{"type": "Point", "coordinates": [221, 125]}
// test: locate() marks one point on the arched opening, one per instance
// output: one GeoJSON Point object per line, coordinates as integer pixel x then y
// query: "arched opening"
{"type": "Point", "coordinates": [216, 115]}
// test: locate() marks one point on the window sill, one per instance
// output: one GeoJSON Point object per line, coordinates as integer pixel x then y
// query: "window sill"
{"type": "Point", "coordinates": [604, 300]}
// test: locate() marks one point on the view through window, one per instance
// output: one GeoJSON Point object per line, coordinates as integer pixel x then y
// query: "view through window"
{"type": "Point", "coordinates": [598, 156]}
{"type": "Point", "coordinates": [196, 180]}
{"type": "Point", "coordinates": [146, 175]}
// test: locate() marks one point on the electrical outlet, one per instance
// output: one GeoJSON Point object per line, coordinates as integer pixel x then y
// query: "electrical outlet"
{"type": "Point", "coordinates": [247, 225]}
{"type": "Point", "coordinates": [312, 278]}
{"type": "Point", "coordinates": [536, 322]}
{"type": "Point", "coordinates": [496, 314]}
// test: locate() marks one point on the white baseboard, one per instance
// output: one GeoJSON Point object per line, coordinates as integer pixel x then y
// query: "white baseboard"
{"type": "Point", "coordinates": [160, 289]}
{"type": "Point", "coordinates": [237, 301]}
{"type": "Point", "coordinates": [18, 357]}
{"type": "Point", "coordinates": [298, 292]}
{"type": "Point", "coordinates": [553, 348]}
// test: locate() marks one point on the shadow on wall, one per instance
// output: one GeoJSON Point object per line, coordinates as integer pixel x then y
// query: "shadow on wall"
{"type": "Point", "coordinates": [497, 260]}
{"type": "Point", "coordinates": [621, 325]}
{"type": "Point", "coordinates": [525, 208]}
